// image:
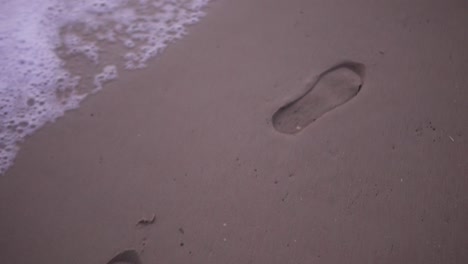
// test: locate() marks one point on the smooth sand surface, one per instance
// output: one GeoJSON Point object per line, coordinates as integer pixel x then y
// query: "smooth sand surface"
{"type": "Point", "coordinates": [382, 178]}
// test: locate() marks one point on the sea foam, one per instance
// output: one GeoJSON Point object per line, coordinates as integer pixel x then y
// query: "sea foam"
{"type": "Point", "coordinates": [54, 53]}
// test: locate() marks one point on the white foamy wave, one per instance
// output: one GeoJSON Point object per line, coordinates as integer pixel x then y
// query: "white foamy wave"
{"type": "Point", "coordinates": [54, 53]}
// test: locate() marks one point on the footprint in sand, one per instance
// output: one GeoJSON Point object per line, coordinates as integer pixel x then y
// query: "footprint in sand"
{"type": "Point", "coordinates": [126, 257]}
{"type": "Point", "coordinates": [331, 89]}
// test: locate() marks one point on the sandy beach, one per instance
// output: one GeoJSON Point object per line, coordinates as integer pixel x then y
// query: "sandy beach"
{"type": "Point", "coordinates": [380, 178]}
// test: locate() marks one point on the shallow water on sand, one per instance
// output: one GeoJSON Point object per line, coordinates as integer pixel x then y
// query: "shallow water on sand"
{"type": "Point", "coordinates": [55, 53]}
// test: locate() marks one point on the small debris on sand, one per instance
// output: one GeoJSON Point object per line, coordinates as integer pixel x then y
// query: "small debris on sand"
{"type": "Point", "coordinates": [145, 221]}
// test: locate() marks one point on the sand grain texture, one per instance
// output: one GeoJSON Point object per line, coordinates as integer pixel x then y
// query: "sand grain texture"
{"type": "Point", "coordinates": [379, 179]}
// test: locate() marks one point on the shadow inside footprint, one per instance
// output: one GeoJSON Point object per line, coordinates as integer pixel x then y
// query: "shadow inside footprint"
{"type": "Point", "coordinates": [330, 89]}
{"type": "Point", "coordinates": [126, 257]}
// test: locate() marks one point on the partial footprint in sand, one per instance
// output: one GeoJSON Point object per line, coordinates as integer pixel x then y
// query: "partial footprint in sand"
{"type": "Point", "coordinates": [126, 257]}
{"type": "Point", "coordinates": [331, 89]}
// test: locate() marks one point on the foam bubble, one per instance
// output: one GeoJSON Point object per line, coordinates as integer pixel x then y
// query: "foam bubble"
{"type": "Point", "coordinates": [54, 53]}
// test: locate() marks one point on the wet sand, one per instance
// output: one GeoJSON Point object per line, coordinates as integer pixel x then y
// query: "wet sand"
{"type": "Point", "coordinates": [380, 179]}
